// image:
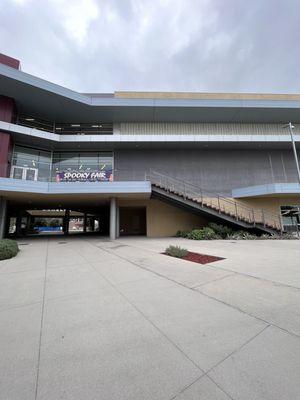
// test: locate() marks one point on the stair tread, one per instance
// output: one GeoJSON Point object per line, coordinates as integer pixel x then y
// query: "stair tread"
{"type": "Point", "coordinates": [213, 207]}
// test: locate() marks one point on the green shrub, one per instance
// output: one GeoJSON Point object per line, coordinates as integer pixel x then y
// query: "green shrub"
{"type": "Point", "coordinates": [176, 251]}
{"type": "Point", "coordinates": [221, 230]}
{"type": "Point", "coordinates": [205, 233]}
{"type": "Point", "coordinates": [267, 236]}
{"type": "Point", "coordinates": [248, 236]}
{"type": "Point", "coordinates": [287, 236]}
{"type": "Point", "coordinates": [183, 234]}
{"type": "Point", "coordinates": [8, 248]}
{"type": "Point", "coordinates": [277, 236]}
{"type": "Point", "coordinates": [242, 235]}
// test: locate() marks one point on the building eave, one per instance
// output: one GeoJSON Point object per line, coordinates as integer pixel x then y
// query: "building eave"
{"type": "Point", "coordinates": [58, 103]}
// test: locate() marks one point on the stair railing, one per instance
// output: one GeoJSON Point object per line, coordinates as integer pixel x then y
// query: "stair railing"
{"type": "Point", "coordinates": [213, 200]}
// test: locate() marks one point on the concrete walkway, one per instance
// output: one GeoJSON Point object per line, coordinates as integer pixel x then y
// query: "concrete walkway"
{"type": "Point", "coordinates": [92, 319]}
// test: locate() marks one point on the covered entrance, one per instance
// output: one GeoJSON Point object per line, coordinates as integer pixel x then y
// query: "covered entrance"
{"type": "Point", "coordinates": [38, 222]}
{"type": "Point", "coordinates": [76, 215]}
{"type": "Point", "coordinates": [72, 208]}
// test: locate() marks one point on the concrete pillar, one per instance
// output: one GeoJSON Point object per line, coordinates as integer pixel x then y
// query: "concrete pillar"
{"type": "Point", "coordinates": [113, 218]}
{"type": "Point", "coordinates": [84, 222]}
{"type": "Point", "coordinates": [3, 207]}
{"type": "Point", "coordinates": [118, 222]}
{"type": "Point", "coordinates": [19, 223]}
{"type": "Point", "coordinates": [66, 222]}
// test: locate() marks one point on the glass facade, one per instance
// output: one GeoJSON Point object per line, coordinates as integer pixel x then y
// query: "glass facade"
{"type": "Point", "coordinates": [82, 167]}
{"type": "Point", "coordinates": [291, 218]}
{"type": "Point", "coordinates": [39, 165]}
{"type": "Point", "coordinates": [30, 164]}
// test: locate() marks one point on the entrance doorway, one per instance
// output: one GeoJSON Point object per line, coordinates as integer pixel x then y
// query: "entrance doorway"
{"type": "Point", "coordinates": [39, 222]}
{"type": "Point", "coordinates": [132, 221]}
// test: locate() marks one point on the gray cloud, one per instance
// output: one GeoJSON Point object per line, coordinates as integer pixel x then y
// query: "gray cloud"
{"type": "Point", "coordinates": [184, 45]}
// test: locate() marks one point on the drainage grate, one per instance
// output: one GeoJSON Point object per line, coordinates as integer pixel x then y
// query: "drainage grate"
{"type": "Point", "coordinates": [23, 244]}
{"type": "Point", "coordinates": [118, 246]}
{"type": "Point", "coordinates": [62, 242]}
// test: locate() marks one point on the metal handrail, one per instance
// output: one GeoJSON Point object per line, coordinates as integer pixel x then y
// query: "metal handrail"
{"type": "Point", "coordinates": [265, 218]}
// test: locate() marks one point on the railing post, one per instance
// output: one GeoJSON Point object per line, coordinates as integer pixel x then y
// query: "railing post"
{"type": "Point", "coordinates": [184, 191]}
{"type": "Point", "coordinates": [236, 212]}
{"type": "Point", "coordinates": [219, 205]}
{"type": "Point", "coordinates": [263, 217]}
{"type": "Point", "coordinates": [253, 217]}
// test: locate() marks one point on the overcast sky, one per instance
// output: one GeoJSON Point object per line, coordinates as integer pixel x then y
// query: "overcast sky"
{"type": "Point", "coordinates": [176, 45]}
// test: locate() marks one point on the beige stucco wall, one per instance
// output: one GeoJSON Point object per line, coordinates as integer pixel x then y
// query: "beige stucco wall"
{"type": "Point", "coordinates": [271, 204]}
{"type": "Point", "coordinates": [164, 219]}
{"type": "Point", "coordinates": [206, 96]}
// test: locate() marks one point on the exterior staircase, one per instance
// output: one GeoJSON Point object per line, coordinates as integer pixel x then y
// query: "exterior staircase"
{"type": "Point", "coordinates": [212, 205]}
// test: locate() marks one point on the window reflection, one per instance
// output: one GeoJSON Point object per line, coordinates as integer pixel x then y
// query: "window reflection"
{"type": "Point", "coordinates": [83, 167]}
{"type": "Point", "coordinates": [35, 165]}
{"type": "Point", "coordinates": [30, 164]}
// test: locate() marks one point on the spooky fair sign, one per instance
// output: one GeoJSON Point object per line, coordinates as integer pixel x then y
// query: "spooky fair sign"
{"type": "Point", "coordinates": [84, 176]}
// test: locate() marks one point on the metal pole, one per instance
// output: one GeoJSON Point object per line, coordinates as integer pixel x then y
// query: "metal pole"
{"type": "Point", "coordinates": [113, 218]}
{"type": "Point", "coordinates": [291, 127]}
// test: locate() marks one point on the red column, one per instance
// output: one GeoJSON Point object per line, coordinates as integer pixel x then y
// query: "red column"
{"type": "Point", "coordinates": [9, 61]}
{"type": "Point", "coordinates": [5, 153]}
{"type": "Point", "coordinates": [7, 111]}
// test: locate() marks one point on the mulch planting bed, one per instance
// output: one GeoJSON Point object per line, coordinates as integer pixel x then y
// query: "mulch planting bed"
{"type": "Point", "coordinates": [199, 258]}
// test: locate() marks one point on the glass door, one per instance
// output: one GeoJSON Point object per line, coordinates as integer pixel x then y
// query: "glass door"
{"type": "Point", "coordinates": [30, 174]}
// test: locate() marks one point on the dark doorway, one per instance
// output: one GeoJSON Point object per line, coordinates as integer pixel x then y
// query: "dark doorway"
{"type": "Point", "coordinates": [132, 221]}
{"type": "Point", "coordinates": [47, 221]}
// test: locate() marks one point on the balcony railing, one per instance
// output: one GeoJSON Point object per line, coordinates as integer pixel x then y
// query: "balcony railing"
{"type": "Point", "coordinates": [62, 128]}
{"type": "Point", "coordinates": [185, 189]}
{"type": "Point", "coordinates": [47, 174]}
{"type": "Point", "coordinates": [221, 204]}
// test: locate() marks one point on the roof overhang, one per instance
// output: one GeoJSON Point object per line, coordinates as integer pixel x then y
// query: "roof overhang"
{"type": "Point", "coordinates": [50, 101]}
{"type": "Point", "coordinates": [10, 186]}
{"type": "Point", "coordinates": [270, 190]}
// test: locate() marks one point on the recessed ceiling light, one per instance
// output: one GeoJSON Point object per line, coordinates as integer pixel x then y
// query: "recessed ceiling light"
{"type": "Point", "coordinates": [29, 119]}
{"type": "Point", "coordinates": [75, 125]}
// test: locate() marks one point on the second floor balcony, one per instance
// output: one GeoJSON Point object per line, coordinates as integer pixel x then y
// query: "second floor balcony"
{"type": "Point", "coordinates": [63, 128]}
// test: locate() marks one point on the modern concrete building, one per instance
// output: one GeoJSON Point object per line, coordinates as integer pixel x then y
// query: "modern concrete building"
{"type": "Point", "coordinates": [143, 163]}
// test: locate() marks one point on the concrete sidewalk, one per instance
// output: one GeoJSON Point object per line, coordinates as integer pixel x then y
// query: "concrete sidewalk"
{"type": "Point", "coordinates": [93, 319]}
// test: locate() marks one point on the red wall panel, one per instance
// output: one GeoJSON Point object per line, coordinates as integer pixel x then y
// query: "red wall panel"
{"type": "Point", "coordinates": [7, 109]}
{"type": "Point", "coordinates": [9, 61]}
{"type": "Point", "coordinates": [5, 153]}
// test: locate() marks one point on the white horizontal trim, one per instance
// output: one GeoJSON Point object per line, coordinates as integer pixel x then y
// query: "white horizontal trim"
{"type": "Point", "coordinates": [144, 138]}
{"type": "Point", "coordinates": [269, 189]}
{"type": "Point", "coordinates": [113, 188]}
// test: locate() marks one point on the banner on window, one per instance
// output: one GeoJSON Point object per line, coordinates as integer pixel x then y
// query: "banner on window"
{"type": "Point", "coordinates": [85, 176]}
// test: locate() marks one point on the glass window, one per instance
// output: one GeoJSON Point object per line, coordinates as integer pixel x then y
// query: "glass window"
{"type": "Point", "coordinates": [83, 167]}
{"type": "Point", "coordinates": [291, 218]}
{"type": "Point", "coordinates": [30, 164]}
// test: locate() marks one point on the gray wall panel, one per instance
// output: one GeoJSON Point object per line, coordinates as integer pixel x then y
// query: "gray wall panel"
{"type": "Point", "coordinates": [216, 170]}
